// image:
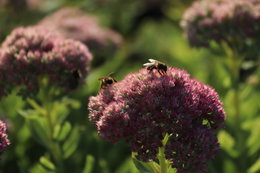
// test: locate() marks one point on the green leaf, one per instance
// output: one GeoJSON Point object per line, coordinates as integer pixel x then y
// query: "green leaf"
{"type": "Point", "coordinates": [59, 112]}
{"type": "Point", "coordinates": [227, 143]}
{"type": "Point", "coordinates": [61, 109]}
{"type": "Point", "coordinates": [255, 167]}
{"type": "Point", "coordinates": [38, 130]}
{"type": "Point", "coordinates": [72, 102]}
{"type": "Point", "coordinates": [47, 164]}
{"type": "Point", "coordinates": [249, 98]}
{"type": "Point", "coordinates": [71, 143]}
{"type": "Point", "coordinates": [172, 170]}
{"type": "Point", "coordinates": [141, 166]}
{"type": "Point", "coordinates": [154, 166]}
{"type": "Point", "coordinates": [253, 141]}
{"type": "Point", "coordinates": [61, 132]}
{"type": "Point", "coordinates": [36, 107]}
{"type": "Point", "coordinates": [66, 128]}
{"type": "Point", "coordinates": [89, 164]}
{"type": "Point", "coordinates": [103, 166]}
{"type": "Point", "coordinates": [56, 132]}
{"type": "Point", "coordinates": [28, 114]}
{"type": "Point", "coordinates": [127, 166]}
{"type": "Point", "coordinates": [229, 166]}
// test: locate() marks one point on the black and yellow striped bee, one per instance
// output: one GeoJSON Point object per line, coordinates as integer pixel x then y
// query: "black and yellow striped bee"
{"type": "Point", "coordinates": [107, 80]}
{"type": "Point", "coordinates": [154, 64]}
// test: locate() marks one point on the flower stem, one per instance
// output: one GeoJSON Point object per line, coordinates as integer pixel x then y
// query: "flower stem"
{"type": "Point", "coordinates": [54, 145]}
{"type": "Point", "coordinates": [45, 110]}
{"type": "Point", "coordinates": [234, 63]}
{"type": "Point", "coordinates": [162, 160]}
{"type": "Point", "coordinates": [161, 156]}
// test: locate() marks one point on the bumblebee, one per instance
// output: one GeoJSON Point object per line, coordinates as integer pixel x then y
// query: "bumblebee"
{"type": "Point", "coordinates": [154, 64]}
{"type": "Point", "coordinates": [107, 80]}
{"type": "Point", "coordinates": [73, 79]}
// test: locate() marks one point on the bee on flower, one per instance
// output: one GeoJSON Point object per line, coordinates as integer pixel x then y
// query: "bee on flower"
{"type": "Point", "coordinates": [157, 65]}
{"type": "Point", "coordinates": [107, 80]}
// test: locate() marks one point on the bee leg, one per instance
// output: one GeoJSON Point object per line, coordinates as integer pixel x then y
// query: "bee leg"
{"type": "Point", "coordinates": [164, 72]}
{"type": "Point", "coordinates": [150, 68]}
{"type": "Point", "coordinates": [160, 72]}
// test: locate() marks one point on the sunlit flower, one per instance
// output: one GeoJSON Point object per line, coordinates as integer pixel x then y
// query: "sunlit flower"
{"type": "Point", "coordinates": [29, 53]}
{"type": "Point", "coordinates": [145, 106]}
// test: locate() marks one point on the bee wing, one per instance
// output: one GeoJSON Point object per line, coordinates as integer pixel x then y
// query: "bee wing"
{"type": "Point", "coordinates": [109, 74]}
{"type": "Point", "coordinates": [152, 60]}
{"type": "Point", "coordinates": [147, 64]}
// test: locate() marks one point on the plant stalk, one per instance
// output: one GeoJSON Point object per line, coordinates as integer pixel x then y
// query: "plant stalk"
{"type": "Point", "coordinates": [161, 156]}
{"type": "Point", "coordinates": [54, 145]}
{"type": "Point", "coordinates": [234, 64]}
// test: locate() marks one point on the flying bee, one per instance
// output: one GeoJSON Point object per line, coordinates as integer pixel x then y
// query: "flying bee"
{"type": "Point", "coordinates": [154, 64]}
{"type": "Point", "coordinates": [73, 79]}
{"type": "Point", "coordinates": [107, 80]}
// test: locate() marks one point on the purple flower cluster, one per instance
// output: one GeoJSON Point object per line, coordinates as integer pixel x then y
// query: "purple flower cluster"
{"type": "Point", "coordinates": [145, 106]}
{"type": "Point", "coordinates": [222, 20]}
{"type": "Point", "coordinates": [4, 142]}
{"type": "Point", "coordinates": [74, 23]}
{"type": "Point", "coordinates": [29, 53]}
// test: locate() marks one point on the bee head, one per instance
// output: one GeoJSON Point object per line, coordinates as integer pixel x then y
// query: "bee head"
{"type": "Point", "coordinates": [107, 80]}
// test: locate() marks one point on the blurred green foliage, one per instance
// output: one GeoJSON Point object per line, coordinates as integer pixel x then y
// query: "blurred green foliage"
{"type": "Point", "coordinates": [149, 31]}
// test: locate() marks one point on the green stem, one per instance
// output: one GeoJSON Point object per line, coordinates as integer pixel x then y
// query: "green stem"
{"type": "Point", "coordinates": [153, 167]}
{"type": "Point", "coordinates": [54, 145]}
{"type": "Point", "coordinates": [45, 111]}
{"type": "Point", "coordinates": [161, 155]}
{"type": "Point", "coordinates": [162, 160]}
{"type": "Point", "coordinates": [234, 64]}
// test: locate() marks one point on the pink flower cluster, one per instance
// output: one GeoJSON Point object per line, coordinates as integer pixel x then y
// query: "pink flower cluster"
{"type": "Point", "coordinates": [29, 53]}
{"type": "Point", "coordinates": [222, 20]}
{"type": "Point", "coordinates": [4, 142]}
{"type": "Point", "coordinates": [145, 106]}
{"type": "Point", "coordinates": [74, 23]}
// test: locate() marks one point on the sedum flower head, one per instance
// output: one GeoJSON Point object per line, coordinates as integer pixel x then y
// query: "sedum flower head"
{"type": "Point", "coordinates": [4, 142]}
{"type": "Point", "coordinates": [221, 20]}
{"type": "Point", "coordinates": [29, 53]}
{"type": "Point", "coordinates": [74, 23]}
{"type": "Point", "coordinates": [145, 106]}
